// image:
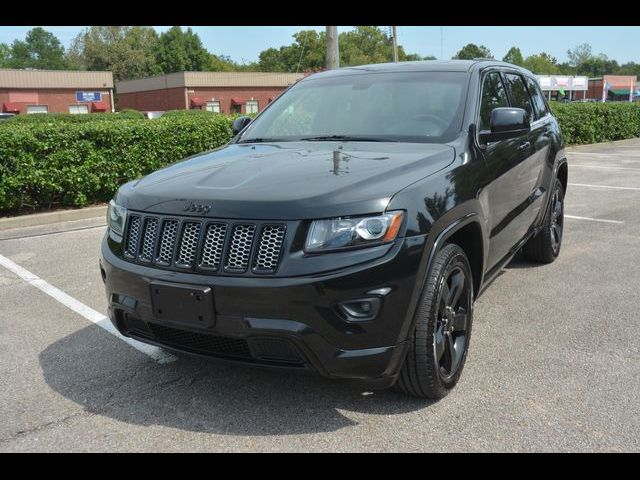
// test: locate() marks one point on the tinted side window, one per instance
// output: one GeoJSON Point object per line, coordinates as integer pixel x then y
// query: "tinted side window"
{"type": "Point", "coordinates": [493, 96]}
{"type": "Point", "coordinates": [519, 94]}
{"type": "Point", "coordinates": [538, 100]}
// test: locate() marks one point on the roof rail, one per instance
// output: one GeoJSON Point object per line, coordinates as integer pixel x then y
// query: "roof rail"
{"type": "Point", "coordinates": [482, 58]}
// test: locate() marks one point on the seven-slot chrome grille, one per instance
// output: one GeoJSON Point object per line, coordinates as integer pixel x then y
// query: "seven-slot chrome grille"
{"type": "Point", "coordinates": [208, 246]}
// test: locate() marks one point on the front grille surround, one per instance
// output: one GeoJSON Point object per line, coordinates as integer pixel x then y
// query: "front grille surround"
{"type": "Point", "coordinates": [269, 248]}
{"type": "Point", "coordinates": [239, 247]}
{"type": "Point", "coordinates": [148, 240]}
{"type": "Point", "coordinates": [203, 245]}
{"type": "Point", "coordinates": [215, 239]}
{"type": "Point", "coordinates": [188, 245]}
{"type": "Point", "coordinates": [133, 236]}
{"type": "Point", "coordinates": [167, 242]}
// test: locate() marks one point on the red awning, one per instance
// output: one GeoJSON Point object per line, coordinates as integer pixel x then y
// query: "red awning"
{"type": "Point", "coordinates": [10, 107]}
{"type": "Point", "coordinates": [237, 101]}
{"type": "Point", "coordinates": [99, 107]}
{"type": "Point", "coordinates": [197, 102]}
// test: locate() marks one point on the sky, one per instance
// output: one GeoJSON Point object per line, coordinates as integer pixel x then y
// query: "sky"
{"type": "Point", "coordinates": [244, 44]}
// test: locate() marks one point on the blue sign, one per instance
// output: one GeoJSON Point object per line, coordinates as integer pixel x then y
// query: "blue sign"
{"type": "Point", "coordinates": [88, 96]}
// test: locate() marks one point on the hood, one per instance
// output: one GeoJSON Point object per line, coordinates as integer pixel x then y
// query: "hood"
{"type": "Point", "coordinates": [286, 181]}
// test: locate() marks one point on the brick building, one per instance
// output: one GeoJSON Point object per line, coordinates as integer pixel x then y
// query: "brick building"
{"type": "Point", "coordinates": [223, 92]}
{"type": "Point", "coordinates": [619, 86]}
{"type": "Point", "coordinates": [55, 91]}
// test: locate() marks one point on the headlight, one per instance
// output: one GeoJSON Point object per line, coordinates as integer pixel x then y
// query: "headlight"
{"type": "Point", "coordinates": [339, 233]}
{"type": "Point", "coordinates": [116, 218]}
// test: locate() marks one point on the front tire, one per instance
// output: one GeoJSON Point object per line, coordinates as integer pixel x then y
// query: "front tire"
{"type": "Point", "coordinates": [439, 345]}
{"type": "Point", "coordinates": [545, 246]}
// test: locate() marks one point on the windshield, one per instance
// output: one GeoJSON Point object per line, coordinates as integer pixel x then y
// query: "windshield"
{"type": "Point", "coordinates": [399, 106]}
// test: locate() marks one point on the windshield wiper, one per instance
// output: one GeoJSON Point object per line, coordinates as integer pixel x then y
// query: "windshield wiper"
{"type": "Point", "coordinates": [346, 138]}
{"type": "Point", "coordinates": [262, 140]}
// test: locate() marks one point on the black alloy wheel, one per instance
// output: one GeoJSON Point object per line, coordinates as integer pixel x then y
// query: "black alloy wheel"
{"type": "Point", "coordinates": [450, 337]}
{"type": "Point", "coordinates": [438, 348]}
{"type": "Point", "coordinates": [545, 246]}
{"type": "Point", "coordinates": [557, 220]}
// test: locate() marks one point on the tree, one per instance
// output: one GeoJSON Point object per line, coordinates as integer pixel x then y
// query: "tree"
{"type": "Point", "coordinates": [307, 52]}
{"type": "Point", "coordinates": [5, 55]}
{"type": "Point", "coordinates": [566, 69]}
{"type": "Point", "coordinates": [598, 66]}
{"type": "Point", "coordinates": [579, 54]}
{"type": "Point", "coordinates": [129, 52]}
{"type": "Point", "coordinates": [178, 51]}
{"type": "Point", "coordinates": [360, 46]}
{"type": "Point", "coordinates": [222, 63]}
{"type": "Point", "coordinates": [471, 51]}
{"type": "Point", "coordinates": [40, 49]}
{"type": "Point", "coordinates": [630, 68]}
{"type": "Point", "coordinates": [514, 55]}
{"type": "Point", "coordinates": [541, 64]}
{"type": "Point", "coordinates": [364, 45]}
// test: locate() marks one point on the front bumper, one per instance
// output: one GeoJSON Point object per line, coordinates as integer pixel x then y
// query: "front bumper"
{"type": "Point", "coordinates": [289, 322]}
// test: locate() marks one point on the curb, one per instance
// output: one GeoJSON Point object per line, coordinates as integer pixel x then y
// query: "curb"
{"type": "Point", "coordinates": [612, 143]}
{"type": "Point", "coordinates": [52, 217]}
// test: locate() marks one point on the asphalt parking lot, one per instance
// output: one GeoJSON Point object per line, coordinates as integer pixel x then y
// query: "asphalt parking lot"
{"type": "Point", "coordinates": [554, 363]}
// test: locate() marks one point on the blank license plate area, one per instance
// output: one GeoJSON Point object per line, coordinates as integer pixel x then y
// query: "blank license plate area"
{"type": "Point", "coordinates": [183, 304]}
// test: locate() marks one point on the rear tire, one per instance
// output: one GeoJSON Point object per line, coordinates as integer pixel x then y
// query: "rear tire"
{"type": "Point", "coordinates": [545, 246]}
{"type": "Point", "coordinates": [439, 345]}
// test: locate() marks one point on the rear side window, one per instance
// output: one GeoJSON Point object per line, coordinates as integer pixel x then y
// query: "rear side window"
{"type": "Point", "coordinates": [493, 96]}
{"type": "Point", "coordinates": [538, 100]}
{"type": "Point", "coordinates": [519, 94]}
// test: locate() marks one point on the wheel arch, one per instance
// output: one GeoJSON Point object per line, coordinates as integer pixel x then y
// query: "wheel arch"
{"type": "Point", "coordinates": [469, 238]}
{"type": "Point", "coordinates": [563, 174]}
{"type": "Point", "coordinates": [467, 233]}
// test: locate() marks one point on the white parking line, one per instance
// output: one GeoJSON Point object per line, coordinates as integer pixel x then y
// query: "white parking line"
{"type": "Point", "coordinates": [575, 217]}
{"type": "Point", "coordinates": [87, 312]}
{"type": "Point", "coordinates": [604, 167]}
{"type": "Point", "coordinates": [602, 186]}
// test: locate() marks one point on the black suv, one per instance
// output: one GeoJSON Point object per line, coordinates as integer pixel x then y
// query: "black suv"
{"type": "Point", "coordinates": [348, 228]}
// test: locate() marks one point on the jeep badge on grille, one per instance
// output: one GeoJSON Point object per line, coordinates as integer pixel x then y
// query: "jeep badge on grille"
{"type": "Point", "coordinates": [196, 207]}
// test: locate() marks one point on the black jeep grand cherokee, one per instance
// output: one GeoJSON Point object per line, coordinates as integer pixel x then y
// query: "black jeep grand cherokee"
{"type": "Point", "coordinates": [349, 228]}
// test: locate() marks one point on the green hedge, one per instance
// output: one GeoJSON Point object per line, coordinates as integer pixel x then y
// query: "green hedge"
{"type": "Point", "coordinates": [200, 114]}
{"type": "Point", "coordinates": [187, 113]}
{"type": "Point", "coordinates": [56, 118]}
{"type": "Point", "coordinates": [82, 159]}
{"type": "Point", "coordinates": [595, 122]}
{"type": "Point", "coordinates": [75, 164]}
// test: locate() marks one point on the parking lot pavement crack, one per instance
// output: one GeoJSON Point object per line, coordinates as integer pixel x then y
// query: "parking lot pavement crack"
{"type": "Point", "coordinates": [46, 426]}
{"type": "Point", "coordinates": [171, 382]}
{"type": "Point", "coordinates": [87, 411]}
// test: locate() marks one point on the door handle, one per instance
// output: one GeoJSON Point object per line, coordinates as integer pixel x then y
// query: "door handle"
{"type": "Point", "coordinates": [524, 146]}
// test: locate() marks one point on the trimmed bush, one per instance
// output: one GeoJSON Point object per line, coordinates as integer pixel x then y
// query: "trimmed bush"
{"type": "Point", "coordinates": [595, 122]}
{"type": "Point", "coordinates": [187, 113]}
{"type": "Point", "coordinates": [56, 118]}
{"type": "Point", "coordinates": [73, 160]}
{"type": "Point", "coordinates": [75, 164]}
{"type": "Point", "coordinates": [199, 114]}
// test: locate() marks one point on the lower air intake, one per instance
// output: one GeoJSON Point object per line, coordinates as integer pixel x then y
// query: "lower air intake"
{"type": "Point", "coordinates": [200, 342]}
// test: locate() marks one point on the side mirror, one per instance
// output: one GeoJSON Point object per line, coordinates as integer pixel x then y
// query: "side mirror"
{"type": "Point", "coordinates": [239, 123]}
{"type": "Point", "coordinates": [505, 123]}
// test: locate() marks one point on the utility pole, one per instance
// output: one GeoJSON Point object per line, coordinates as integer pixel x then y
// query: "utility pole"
{"type": "Point", "coordinates": [333, 55]}
{"type": "Point", "coordinates": [395, 44]}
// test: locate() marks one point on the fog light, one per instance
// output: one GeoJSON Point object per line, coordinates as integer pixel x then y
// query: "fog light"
{"type": "Point", "coordinates": [361, 309]}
